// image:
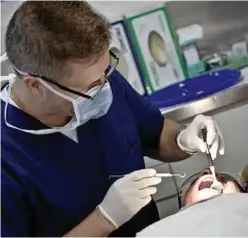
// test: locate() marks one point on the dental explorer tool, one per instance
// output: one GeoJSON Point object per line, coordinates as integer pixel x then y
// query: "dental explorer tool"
{"type": "Point", "coordinates": [168, 175]}
{"type": "Point", "coordinates": [158, 175]}
{"type": "Point", "coordinates": [209, 156]}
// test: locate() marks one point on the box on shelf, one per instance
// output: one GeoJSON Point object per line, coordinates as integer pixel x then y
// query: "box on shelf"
{"type": "Point", "coordinates": [127, 65]}
{"type": "Point", "coordinates": [157, 48]}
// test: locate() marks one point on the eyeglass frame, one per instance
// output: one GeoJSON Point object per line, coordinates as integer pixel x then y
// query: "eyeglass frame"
{"type": "Point", "coordinates": [195, 176]}
{"type": "Point", "coordinates": [112, 69]}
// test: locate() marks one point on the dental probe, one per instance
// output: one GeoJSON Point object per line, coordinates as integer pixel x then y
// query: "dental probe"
{"type": "Point", "coordinates": [168, 175]}
{"type": "Point", "coordinates": [210, 159]}
{"type": "Point", "coordinates": [158, 175]}
{"type": "Point", "coordinates": [204, 137]}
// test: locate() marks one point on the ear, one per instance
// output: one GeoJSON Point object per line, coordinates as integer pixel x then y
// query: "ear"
{"type": "Point", "coordinates": [33, 85]}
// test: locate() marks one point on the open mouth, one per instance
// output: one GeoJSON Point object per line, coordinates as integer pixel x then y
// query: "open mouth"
{"type": "Point", "coordinates": [208, 181]}
{"type": "Point", "coordinates": [205, 184]}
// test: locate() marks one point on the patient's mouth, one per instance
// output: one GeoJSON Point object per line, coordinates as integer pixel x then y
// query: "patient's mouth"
{"type": "Point", "coordinates": [205, 184]}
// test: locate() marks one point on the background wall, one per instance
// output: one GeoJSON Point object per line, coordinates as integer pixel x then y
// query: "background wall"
{"type": "Point", "coordinates": [7, 10]}
{"type": "Point", "coordinates": [223, 22]}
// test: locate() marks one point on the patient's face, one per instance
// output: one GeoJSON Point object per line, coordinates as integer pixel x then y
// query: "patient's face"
{"type": "Point", "coordinates": [203, 188]}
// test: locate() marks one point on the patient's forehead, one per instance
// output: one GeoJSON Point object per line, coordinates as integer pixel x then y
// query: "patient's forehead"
{"type": "Point", "coordinates": [232, 186]}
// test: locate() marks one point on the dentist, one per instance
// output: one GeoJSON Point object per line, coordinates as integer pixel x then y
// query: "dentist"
{"type": "Point", "coordinates": [69, 120]}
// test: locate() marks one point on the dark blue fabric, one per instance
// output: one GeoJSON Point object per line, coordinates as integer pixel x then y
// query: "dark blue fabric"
{"type": "Point", "coordinates": [51, 183]}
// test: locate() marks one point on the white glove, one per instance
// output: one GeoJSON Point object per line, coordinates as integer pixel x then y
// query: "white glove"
{"type": "Point", "coordinates": [128, 195]}
{"type": "Point", "coordinates": [190, 139]}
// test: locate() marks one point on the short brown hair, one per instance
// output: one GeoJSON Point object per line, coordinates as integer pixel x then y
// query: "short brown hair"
{"type": "Point", "coordinates": [43, 35]}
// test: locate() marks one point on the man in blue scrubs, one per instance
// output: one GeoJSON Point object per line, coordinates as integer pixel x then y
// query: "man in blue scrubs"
{"type": "Point", "coordinates": [69, 121]}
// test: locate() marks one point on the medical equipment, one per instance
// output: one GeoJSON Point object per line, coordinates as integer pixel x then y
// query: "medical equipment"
{"type": "Point", "coordinates": [157, 49]}
{"type": "Point", "coordinates": [168, 175]}
{"type": "Point", "coordinates": [210, 159]}
{"type": "Point", "coordinates": [158, 175]}
{"type": "Point", "coordinates": [120, 46]}
{"type": "Point", "coordinates": [217, 185]}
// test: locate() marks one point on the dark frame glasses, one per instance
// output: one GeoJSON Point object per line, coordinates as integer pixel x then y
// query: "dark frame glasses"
{"type": "Point", "coordinates": [194, 177]}
{"type": "Point", "coordinates": [51, 81]}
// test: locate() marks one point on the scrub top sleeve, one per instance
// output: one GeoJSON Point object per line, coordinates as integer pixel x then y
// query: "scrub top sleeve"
{"type": "Point", "coordinates": [15, 218]}
{"type": "Point", "coordinates": [148, 118]}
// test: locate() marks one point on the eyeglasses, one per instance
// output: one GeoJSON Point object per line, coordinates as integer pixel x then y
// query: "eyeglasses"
{"type": "Point", "coordinates": [110, 70]}
{"type": "Point", "coordinates": [221, 176]}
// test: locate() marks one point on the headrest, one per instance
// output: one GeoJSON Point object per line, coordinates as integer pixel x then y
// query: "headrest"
{"type": "Point", "coordinates": [244, 176]}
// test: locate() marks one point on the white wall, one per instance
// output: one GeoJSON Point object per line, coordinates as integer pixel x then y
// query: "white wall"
{"type": "Point", "coordinates": [7, 10]}
{"type": "Point", "coordinates": [114, 10]}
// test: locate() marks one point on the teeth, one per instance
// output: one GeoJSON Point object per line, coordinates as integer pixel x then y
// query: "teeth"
{"type": "Point", "coordinates": [208, 179]}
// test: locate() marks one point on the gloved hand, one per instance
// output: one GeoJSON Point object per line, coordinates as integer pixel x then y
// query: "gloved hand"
{"type": "Point", "coordinates": [128, 195]}
{"type": "Point", "coordinates": [190, 139]}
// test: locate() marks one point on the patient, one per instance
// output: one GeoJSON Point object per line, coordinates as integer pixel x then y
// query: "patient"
{"type": "Point", "coordinates": [203, 188]}
{"type": "Point", "coordinates": [209, 209]}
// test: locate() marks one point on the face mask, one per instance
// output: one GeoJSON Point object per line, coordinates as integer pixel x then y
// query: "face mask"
{"type": "Point", "coordinates": [85, 109]}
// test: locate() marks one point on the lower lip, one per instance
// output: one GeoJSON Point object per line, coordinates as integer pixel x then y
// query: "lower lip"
{"type": "Point", "coordinates": [209, 190]}
{"type": "Point", "coordinates": [207, 193]}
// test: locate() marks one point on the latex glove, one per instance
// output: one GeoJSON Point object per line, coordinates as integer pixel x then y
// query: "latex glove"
{"type": "Point", "coordinates": [128, 195]}
{"type": "Point", "coordinates": [190, 139]}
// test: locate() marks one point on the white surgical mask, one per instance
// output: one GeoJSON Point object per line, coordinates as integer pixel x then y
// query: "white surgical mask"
{"type": "Point", "coordinates": [85, 109]}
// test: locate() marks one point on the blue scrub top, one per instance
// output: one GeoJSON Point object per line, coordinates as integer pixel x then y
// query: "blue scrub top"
{"type": "Point", "coordinates": [50, 183]}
